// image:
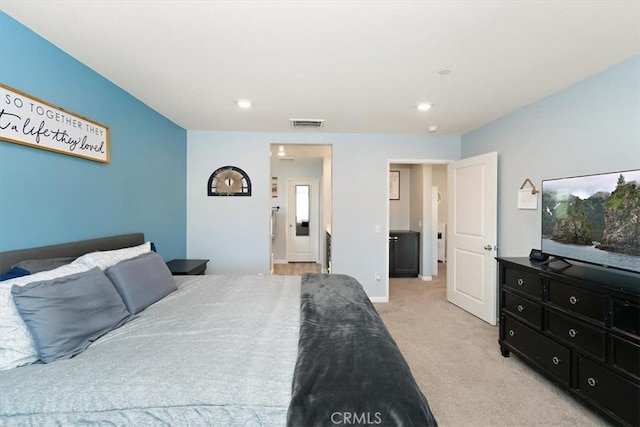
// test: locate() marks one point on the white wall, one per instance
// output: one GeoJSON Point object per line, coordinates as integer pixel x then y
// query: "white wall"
{"type": "Point", "coordinates": [363, 160]}
{"type": "Point", "coordinates": [399, 210]}
{"type": "Point", "coordinates": [416, 197]}
{"type": "Point", "coordinates": [427, 232]}
{"type": "Point", "coordinates": [234, 232]}
{"type": "Point", "coordinates": [589, 127]}
{"type": "Point", "coordinates": [439, 174]}
{"type": "Point", "coordinates": [420, 214]}
{"type": "Point", "coordinates": [327, 205]}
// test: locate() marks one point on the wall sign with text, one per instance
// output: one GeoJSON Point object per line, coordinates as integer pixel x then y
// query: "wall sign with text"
{"type": "Point", "coordinates": [27, 120]}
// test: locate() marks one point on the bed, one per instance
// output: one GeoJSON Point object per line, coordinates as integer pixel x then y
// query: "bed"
{"type": "Point", "coordinates": [215, 350]}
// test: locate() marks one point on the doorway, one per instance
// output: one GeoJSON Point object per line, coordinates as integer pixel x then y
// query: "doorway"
{"type": "Point", "coordinates": [421, 207]}
{"type": "Point", "coordinates": [300, 227]}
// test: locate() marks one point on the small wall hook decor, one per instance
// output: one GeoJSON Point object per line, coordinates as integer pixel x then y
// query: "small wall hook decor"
{"type": "Point", "coordinates": [534, 190]}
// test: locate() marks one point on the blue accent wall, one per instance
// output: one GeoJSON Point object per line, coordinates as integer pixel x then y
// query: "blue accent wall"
{"type": "Point", "coordinates": [48, 198]}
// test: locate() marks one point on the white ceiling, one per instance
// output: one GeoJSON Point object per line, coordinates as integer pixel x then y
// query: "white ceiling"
{"type": "Point", "coordinates": [301, 152]}
{"type": "Point", "coordinates": [362, 66]}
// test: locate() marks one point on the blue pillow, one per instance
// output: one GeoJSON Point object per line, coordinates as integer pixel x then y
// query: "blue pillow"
{"type": "Point", "coordinates": [13, 273]}
{"type": "Point", "coordinates": [65, 315]}
{"type": "Point", "coordinates": [142, 280]}
{"type": "Point", "coordinates": [37, 265]}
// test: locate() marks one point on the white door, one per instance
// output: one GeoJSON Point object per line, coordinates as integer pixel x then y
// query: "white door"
{"type": "Point", "coordinates": [303, 216]}
{"type": "Point", "coordinates": [472, 235]}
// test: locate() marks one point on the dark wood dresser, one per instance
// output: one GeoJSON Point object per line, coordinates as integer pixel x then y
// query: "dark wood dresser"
{"type": "Point", "coordinates": [578, 326]}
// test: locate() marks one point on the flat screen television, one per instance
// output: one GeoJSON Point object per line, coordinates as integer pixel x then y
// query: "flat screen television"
{"type": "Point", "coordinates": [593, 219]}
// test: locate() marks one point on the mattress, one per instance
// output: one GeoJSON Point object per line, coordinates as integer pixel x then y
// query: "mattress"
{"type": "Point", "coordinates": [221, 350]}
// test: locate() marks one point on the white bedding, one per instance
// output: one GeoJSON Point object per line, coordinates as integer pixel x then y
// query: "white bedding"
{"type": "Point", "coordinates": [221, 350]}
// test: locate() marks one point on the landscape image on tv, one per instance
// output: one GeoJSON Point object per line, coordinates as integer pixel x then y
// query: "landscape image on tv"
{"type": "Point", "coordinates": [594, 218]}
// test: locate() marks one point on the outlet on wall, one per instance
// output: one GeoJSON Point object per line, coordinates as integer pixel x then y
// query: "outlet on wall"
{"type": "Point", "coordinates": [377, 276]}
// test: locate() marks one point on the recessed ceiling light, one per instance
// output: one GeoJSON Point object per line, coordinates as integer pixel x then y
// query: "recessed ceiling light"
{"type": "Point", "coordinates": [423, 106]}
{"type": "Point", "coordinates": [244, 103]}
{"type": "Point", "coordinates": [444, 71]}
{"type": "Point", "coordinates": [433, 128]}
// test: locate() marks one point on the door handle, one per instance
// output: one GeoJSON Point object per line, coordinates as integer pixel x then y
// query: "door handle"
{"type": "Point", "coordinates": [488, 248]}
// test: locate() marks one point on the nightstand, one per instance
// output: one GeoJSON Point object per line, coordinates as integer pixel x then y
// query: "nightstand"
{"type": "Point", "coordinates": [190, 267]}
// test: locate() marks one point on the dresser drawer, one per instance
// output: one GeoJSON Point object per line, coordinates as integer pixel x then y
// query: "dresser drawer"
{"type": "Point", "coordinates": [577, 300]}
{"type": "Point", "coordinates": [523, 281]}
{"type": "Point", "coordinates": [553, 357]}
{"type": "Point", "coordinates": [626, 317]}
{"type": "Point", "coordinates": [609, 390]}
{"type": "Point", "coordinates": [625, 355]}
{"type": "Point", "coordinates": [523, 308]}
{"type": "Point", "coordinates": [585, 337]}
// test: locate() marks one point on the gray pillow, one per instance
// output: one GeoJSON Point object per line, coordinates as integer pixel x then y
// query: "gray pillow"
{"type": "Point", "coordinates": [142, 280]}
{"type": "Point", "coordinates": [65, 315]}
{"type": "Point", "coordinates": [45, 264]}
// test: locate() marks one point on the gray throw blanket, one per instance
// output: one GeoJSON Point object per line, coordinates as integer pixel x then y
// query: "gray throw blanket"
{"type": "Point", "coordinates": [349, 370]}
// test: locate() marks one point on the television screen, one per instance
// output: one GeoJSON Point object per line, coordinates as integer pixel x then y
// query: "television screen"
{"type": "Point", "coordinates": [593, 218]}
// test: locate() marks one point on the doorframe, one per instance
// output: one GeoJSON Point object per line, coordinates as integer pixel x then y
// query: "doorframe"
{"type": "Point", "coordinates": [400, 161]}
{"type": "Point", "coordinates": [326, 197]}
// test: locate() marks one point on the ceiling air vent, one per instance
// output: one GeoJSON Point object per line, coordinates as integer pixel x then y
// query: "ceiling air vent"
{"type": "Point", "coordinates": [307, 123]}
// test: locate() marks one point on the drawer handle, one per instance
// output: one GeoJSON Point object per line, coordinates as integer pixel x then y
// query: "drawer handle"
{"type": "Point", "coordinates": [511, 332]}
{"type": "Point", "coordinates": [592, 381]}
{"type": "Point", "coordinates": [520, 282]}
{"type": "Point", "coordinates": [520, 308]}
{"type": "Point", "coordinates": [572, 333]}
{"type": "Point", "coordinates": [556, 360]}
{"type": "Point", "coordinates": [573, 300]}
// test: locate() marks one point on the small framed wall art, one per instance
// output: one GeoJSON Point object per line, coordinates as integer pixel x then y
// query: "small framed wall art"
{"type": "Point", "coordinates": [33, 122]}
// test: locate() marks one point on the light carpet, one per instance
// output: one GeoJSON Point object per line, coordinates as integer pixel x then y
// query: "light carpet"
{"type": "Point", "coordinates": [456, 360]}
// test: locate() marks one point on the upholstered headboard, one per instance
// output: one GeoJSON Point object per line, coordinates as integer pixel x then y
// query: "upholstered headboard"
{"type": "Point", "coordinates": [72, 249]}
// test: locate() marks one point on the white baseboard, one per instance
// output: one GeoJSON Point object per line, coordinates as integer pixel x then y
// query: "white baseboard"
{"type": "Point", "coordinates": [426, 278]}
{"type": "Point", "coordinates": [379, 299]}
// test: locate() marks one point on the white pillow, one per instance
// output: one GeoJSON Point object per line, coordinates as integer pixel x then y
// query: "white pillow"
{"type": "Point", "coordinates": [105, 259]}
{"type": "Point", "coordinates": [16, 344]}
